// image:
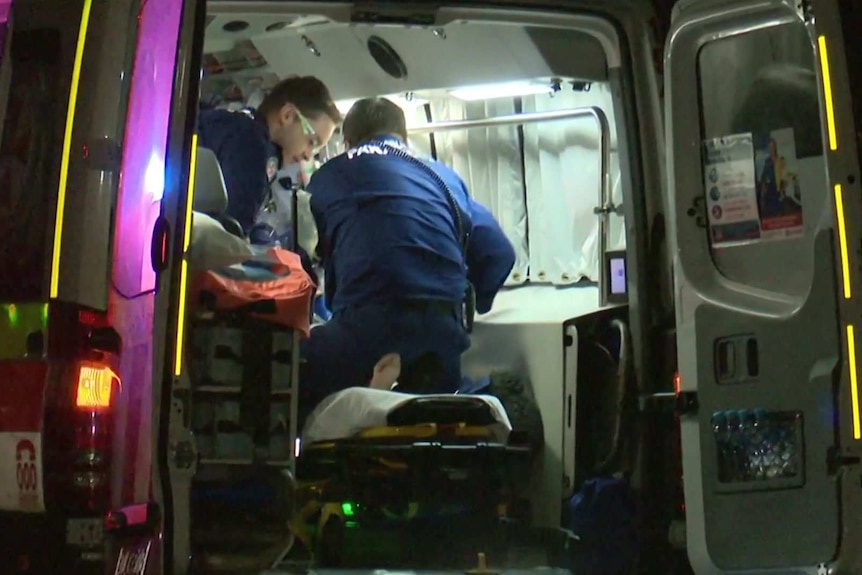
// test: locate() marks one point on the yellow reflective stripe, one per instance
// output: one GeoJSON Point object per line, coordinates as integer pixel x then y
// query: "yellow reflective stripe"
{"type": "Point", "coordinates": [184, 264]}
{"type": "Point", "coordinates": [67, 149]}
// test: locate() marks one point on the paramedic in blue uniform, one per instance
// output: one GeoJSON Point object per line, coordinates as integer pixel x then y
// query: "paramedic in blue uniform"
{"type": "Point", "coordinates": [293, 122]}
{"type": "Point", "coordinates": [395, 275]}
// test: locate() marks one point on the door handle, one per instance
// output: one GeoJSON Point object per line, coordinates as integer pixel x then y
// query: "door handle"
{"type": "Point", "coordinates": [160, 244]}
{"type": "Point", "coordinates": [737, 359]}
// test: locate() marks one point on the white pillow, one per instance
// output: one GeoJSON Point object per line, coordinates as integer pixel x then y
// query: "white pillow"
{"type": "Point", "coordinates": [212, 247]}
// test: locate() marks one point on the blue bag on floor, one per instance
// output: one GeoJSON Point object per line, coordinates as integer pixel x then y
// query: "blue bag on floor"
{"type": "Point", "coordinates": [603, 515]}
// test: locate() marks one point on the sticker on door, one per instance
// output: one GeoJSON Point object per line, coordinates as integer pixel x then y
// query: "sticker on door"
{"type": "Point", "coordinates": [753, 189]}
{"type": "Point", "coordinates": [21, 486]}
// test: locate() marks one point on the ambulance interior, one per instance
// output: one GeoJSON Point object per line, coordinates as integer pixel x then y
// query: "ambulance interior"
{"type": "Point", "coordinates": [544, 176]}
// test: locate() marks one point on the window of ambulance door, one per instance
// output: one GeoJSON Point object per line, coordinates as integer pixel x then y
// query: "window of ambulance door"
{"type": "Point", "coordinates": [36, 73]}
{"type": "Point", "coordinates": [764, 84]}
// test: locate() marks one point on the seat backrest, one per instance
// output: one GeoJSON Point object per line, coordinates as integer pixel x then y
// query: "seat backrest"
{"type": "Point", "coordinates": [210, 188]}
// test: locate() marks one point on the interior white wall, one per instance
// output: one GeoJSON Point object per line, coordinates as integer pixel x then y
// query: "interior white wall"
{"type": "Point", "coordinates": [524, 334]}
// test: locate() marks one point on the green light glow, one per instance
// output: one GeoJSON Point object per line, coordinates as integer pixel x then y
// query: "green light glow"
{"type": "Point", "coordinates": [347, 509]}
{"type": "Point", "coordinates": [12, 312]}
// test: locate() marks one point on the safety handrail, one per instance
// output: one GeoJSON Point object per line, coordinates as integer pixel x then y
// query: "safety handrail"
{"type": "Point", "coordinates": [605, 207]}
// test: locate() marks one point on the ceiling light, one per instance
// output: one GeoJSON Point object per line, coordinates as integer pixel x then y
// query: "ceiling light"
{"type": "Point", "coordinates": [344, 106]}
{"type": "Point", "coordinates": [505, 90]}
{"type": "Point", "coordinates": [408, 105]}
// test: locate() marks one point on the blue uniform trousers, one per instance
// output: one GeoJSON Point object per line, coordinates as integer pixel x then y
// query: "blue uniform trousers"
{"type": "Point", "coordinates": [342, 352]}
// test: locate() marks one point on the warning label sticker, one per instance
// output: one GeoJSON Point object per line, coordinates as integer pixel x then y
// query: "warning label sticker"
{"type": "Point", "coordinates": [21, 487]}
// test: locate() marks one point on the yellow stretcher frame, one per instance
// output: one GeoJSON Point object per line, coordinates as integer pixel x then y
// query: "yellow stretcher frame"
{"type": "Point", "coordinates": [301, 523]}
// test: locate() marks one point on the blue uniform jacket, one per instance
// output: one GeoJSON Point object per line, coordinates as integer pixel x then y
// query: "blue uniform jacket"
{"type": "Point", "coordinates": [243, 148]}
{"type": "Point", "coordinates": [387, 232]}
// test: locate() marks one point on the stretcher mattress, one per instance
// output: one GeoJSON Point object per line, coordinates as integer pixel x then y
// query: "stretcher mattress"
{"type": "Point", "coordinates": [344, 414]}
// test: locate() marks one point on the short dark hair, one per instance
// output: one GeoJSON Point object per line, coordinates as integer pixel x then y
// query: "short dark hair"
{"type": "Point", "coordinates": [307, 93]}
{"type": "Point", "coordinates": [372, 117]}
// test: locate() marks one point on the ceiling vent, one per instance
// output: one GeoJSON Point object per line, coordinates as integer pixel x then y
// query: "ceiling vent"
{"type": "Point", "coordinates": [386, 57]}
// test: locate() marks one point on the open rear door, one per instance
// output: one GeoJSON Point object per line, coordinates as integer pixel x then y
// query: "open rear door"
{"type": "Point", "coordinates": [152, 218]}
{"type": "Point", "coordinates": [765, 212]}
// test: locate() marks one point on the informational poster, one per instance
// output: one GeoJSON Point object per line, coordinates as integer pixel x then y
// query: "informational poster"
{"type": "Point", "coordinates": [243, 56]}
{"type": "Point", "coordinates": [731, 197]}
{"type": "Point", "coordinates": [752, 188]}
{"type": "Point", "coordinates": [779, 193]}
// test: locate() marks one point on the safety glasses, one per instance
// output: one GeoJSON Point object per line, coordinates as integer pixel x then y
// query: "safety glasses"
{"type": "Point", "coordinates": [309, 133]}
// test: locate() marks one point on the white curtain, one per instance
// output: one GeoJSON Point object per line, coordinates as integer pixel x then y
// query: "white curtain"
{"type": "Point", "coordinates": [546, 209]}
{"type": "Point", "coordinates": [489, 162]}
{"type": "Point", "coordinates": [563, 187]}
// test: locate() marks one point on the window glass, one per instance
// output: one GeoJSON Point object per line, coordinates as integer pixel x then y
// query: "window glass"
{"type": "Point", "coordinates": [39, 71]}
{"type": "Point", "coordinates": [764, 170]}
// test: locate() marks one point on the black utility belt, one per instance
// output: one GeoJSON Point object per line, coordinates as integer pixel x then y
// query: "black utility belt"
{"type": "Point", "coordinates": [464, 310]}
{"type": "Point", "coordinates": [440, 307]}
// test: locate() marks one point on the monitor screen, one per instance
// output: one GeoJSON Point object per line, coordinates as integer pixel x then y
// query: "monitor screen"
{"type": "Point", "coordinates": [617, 288]}
{"type": "Point", "coordinates": [618, 276]}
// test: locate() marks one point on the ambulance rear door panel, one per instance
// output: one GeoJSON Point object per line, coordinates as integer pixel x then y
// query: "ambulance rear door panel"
{"type": "Point", "coordinates": [752, 227]}
{"type": "Point", "coordinates": [38, 45]}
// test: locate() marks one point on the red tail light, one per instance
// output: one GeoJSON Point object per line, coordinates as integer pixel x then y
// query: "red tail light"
{"type": "Point", "coordinates": [79, 419]}
{"type": "Point", "coordinates": [80, 398]}
{"type": "Point", "coordinates": [95, 387]}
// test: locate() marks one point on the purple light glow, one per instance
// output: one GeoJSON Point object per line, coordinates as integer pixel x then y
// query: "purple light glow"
{"type": "Point", "coordinates": [154, 178]}
{"type": "Point", "coordinates": [5, 9]}
{"type": "Point", "coordinates": [144, 150]}
{"type": "Point", "coordinates": [5, 6]}
{"type": "Point", "coordinates": [141, 188]}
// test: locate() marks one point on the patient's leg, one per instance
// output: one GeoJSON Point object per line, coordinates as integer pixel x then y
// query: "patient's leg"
{"type": "Point", "coordinates": [386, 372]}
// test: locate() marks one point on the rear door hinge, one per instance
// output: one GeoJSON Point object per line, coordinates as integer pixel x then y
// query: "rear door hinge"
{"type": "Point", "coordinates": [835, 460]}
{"type": "Point", "coordinates": [684, 402]}
{"type": "Point", "coordinates": [687, 403]}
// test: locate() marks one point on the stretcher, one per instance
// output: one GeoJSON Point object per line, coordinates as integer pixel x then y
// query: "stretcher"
{"type": "Point", "coordinates": [384, 460]}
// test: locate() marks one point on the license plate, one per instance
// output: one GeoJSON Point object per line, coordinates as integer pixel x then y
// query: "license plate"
{"type": "Point", "coordinates": [84, 532]}
{"type": "Point", "coordinates": [132, 559]}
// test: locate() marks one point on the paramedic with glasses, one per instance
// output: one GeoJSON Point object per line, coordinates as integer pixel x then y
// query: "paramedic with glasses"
{"type": "Point", "coordinates": [391, 228]}
{"type": "Point", "coordinates": [293, 122]}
